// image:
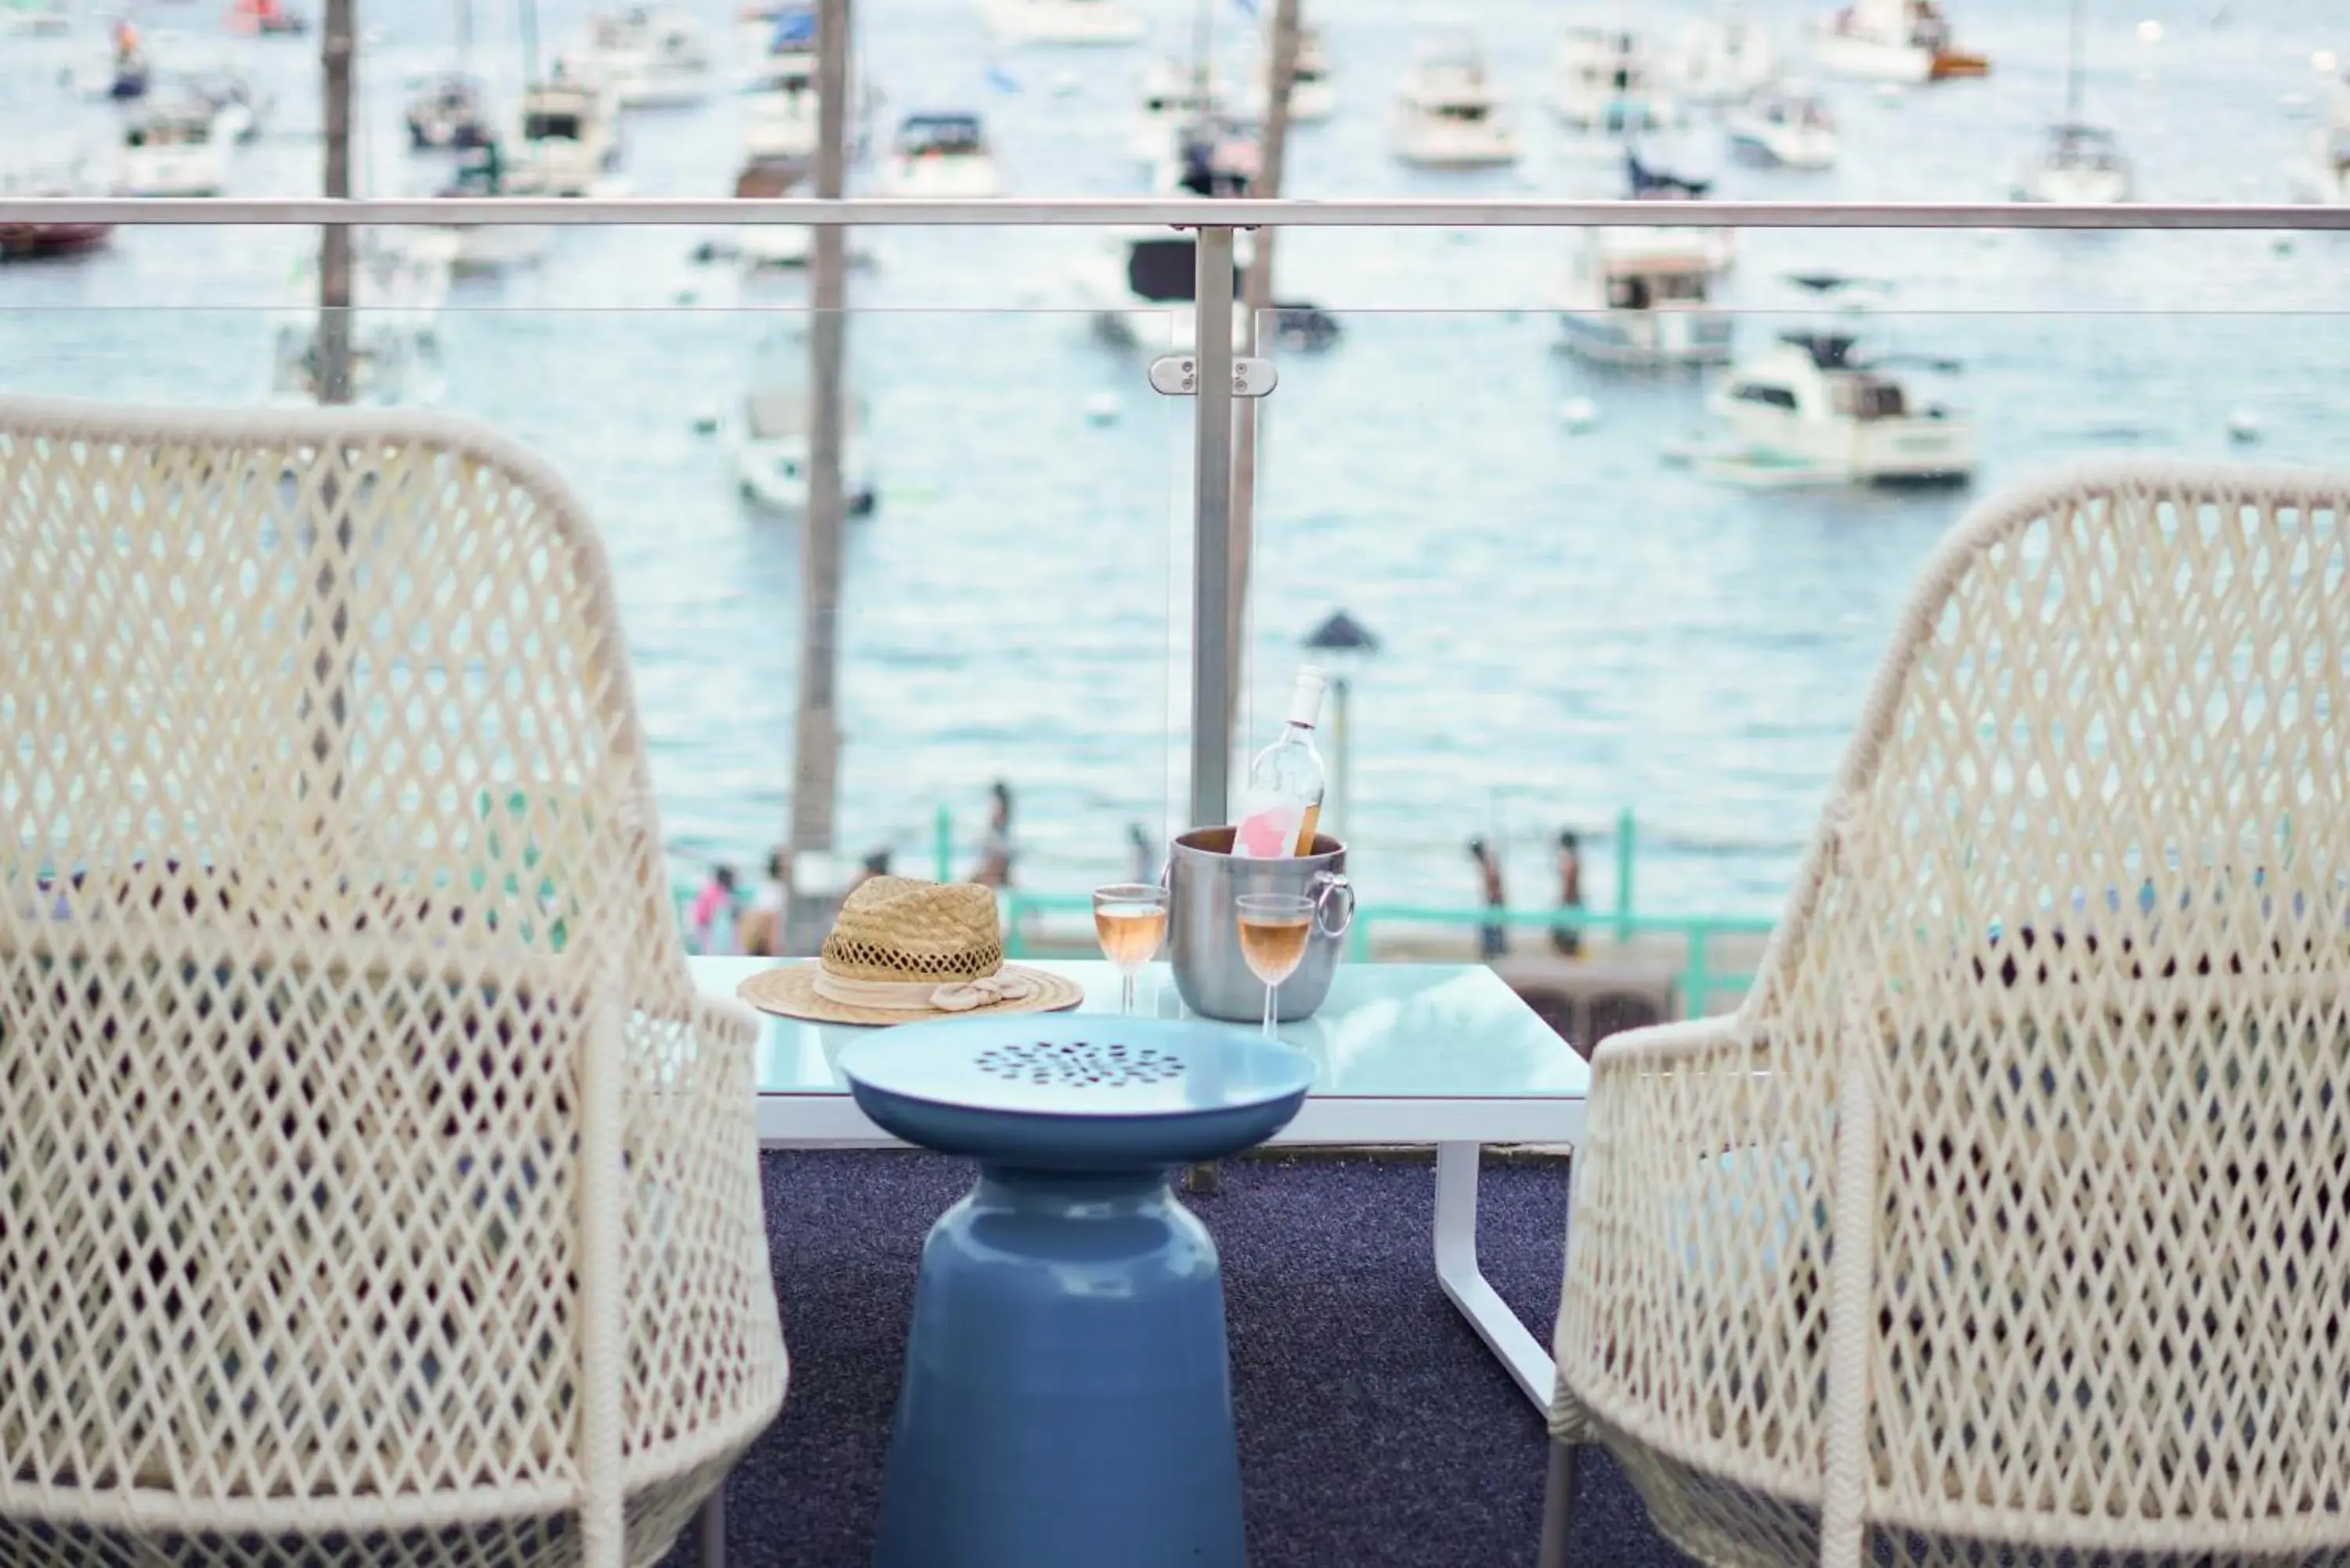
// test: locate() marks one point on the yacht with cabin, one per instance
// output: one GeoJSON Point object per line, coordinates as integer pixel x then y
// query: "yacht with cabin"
{"type": "Point", "coordinates": [1643, 297]}
{"type": "Point", "coordinates": [1783, 126]}
{"type": "Point", "coordinates": [1448, 113]}
{"type": "Point", "coordinates": [172, 147]}
{"type": "Point", "coordinates": [1312, 96]}
{"type": "Point", "coordinates": [1900, 41]}
{"type": "Point", "coordinates": [1721, 59]}
{"type": "Point", "coordinates": [1605, 84]}
{"type": "Point", "coordinates": [941, 154]}
{"type": "Point", "coordinates": [1808, 409]}
{"type": "Point", "coordinates": [644, 56]}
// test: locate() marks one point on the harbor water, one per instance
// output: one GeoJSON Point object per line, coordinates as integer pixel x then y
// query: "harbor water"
{"type": "Point", "coordinates": [1569, 622]}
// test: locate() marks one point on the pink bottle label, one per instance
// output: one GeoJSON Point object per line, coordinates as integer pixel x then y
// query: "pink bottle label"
{"type": "Point", "coordinates": [1269, 833]}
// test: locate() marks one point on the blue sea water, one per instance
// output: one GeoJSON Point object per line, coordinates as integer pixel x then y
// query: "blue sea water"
{"type": "Point", "coordinates": [1569, 625]}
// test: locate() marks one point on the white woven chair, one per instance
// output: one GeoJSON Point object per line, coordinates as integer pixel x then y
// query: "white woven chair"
{"type": "Point", "coordinates": [374, 1186]}
{"type": "Point", "coordinates": [2005, 1221]}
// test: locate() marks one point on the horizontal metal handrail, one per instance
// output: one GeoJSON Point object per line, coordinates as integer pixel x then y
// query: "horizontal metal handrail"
{"type": "Point", "coordinates": [1086, 211]}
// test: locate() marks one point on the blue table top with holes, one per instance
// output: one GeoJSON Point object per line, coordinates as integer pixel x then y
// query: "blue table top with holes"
{"type": "Point", "coordinates": [1077, 1091]}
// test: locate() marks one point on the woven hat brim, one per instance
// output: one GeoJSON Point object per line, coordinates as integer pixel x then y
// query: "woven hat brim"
{"type": "Point", "coordinates": [790, 991]}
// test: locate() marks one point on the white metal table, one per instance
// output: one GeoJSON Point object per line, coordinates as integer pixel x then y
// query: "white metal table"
{"type": "Point", "coordinates": [1403, 1053]}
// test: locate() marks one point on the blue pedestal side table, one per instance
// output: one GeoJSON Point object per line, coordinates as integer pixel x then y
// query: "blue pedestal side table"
{"type": "Point", "coordinates": [1068, 1396]}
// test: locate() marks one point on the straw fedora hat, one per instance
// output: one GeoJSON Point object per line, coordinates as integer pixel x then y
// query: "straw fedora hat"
{"type": "Point", "coordinates": [901, 952]}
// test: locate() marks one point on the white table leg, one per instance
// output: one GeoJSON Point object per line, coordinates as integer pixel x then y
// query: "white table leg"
{"type": "Point", "coordinates": [1464, 1282]}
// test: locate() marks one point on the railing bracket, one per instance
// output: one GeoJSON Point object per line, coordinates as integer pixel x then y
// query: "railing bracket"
{"type": "Point", "coordinates": [1178, 376]}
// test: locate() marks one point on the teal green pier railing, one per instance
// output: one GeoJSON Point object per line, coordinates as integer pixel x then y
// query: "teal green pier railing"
{"type": "Point", "coordinates": [1697, 982]}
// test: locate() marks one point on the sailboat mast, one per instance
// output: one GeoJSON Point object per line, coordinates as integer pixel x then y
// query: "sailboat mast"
{"type": "Point", "coordinates": [2073, 67]}
{"type": "Point", "coordinates": [1203, 43]}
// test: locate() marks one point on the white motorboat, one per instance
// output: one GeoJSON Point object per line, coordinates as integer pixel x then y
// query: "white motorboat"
{"type": "Point", "coordinates": [779, 107]}
{"type": "Point", "coordinates": [446, 111]}
{"type": "Point", "coordinates": [171, 148]}
{"type": "Point", "coordinates": [2321, 173]}
{"type": "Point", "coordinates": [771, 460]}
{"type": "Point", "coordinates": [943, 155]}
{"type": "Point", "coordinates": [1905, 41]}
{"type": "Point", "coordinates": [238, 110]}
{"type": "Point", "coordinates": [474, 248]}
{"type": "Point", "coordinates": [568, 137]}
{"type": "Point", "coordinates": [1806, 411]}
{"type": "Point", "coordinates": [1096, 22]}
{"type": "Point", "coordinates": [1170, 101]}
{"type": "Point", "coordinates": [1447, 114]}
{"type": "Point", "coordinates": [2077, 162]}
{"type": "Point", "coordinates": [1142, 284]}
{"type": "Point", "coordinates": [1604, 84]}
{"type": "Point", "coordinates": [1642, 297]}
{"type": "Point", "coordinates": [646, 57]}
{"type": "Point", "coordinates": [1719, 59]}
{"type": "Point", "coordinates": [1786, 125]}
{"type": "Point", "coordinates": [1312, 96]}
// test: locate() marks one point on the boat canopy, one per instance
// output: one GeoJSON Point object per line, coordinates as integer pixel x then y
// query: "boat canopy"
{"type": "Point", "coordinates": [919, 134]}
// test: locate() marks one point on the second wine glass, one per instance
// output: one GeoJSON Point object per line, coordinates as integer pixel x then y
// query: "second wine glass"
{"type": "Point", "coordinates": [1274, 929]}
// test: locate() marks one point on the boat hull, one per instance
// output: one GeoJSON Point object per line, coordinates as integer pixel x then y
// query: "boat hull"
{"type": "Point", "coordinates": [28, 241]}
{"type": "Point", "coordinates": [1428, 147]}
{"type": "Point", "coordinates": [1654, 339]}
{"type": "Point", "coordinates": [1892, 452]}
{"type": "Point", "coordinates": [1871, 59]}
{"type": "Point", "coordinates": [1781, 146]}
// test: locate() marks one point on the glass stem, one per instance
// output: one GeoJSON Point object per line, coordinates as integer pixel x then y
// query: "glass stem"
{"type": "Point", "coordinates": [1269, 993]}
{"type": "Point", "coordinates": [1126, 991]}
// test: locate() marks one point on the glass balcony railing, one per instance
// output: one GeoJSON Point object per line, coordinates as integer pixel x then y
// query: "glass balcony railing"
{"type": "Point", "coordinates": [1627, 547]}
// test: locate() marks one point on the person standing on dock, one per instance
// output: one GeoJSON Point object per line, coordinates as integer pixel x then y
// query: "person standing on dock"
{"type": "Point", "coordinates": [1567, 938]}
{"type": "Point", "coordinates": [996, 849]}
{"type": "Point", "coordinates": [713, 904]}
{"type": "Point", "coordinates": [1492, 939]}
{"type": "Point", "coordinates": [760, 932]}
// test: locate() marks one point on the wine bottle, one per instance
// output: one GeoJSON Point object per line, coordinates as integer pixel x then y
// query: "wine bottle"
{"type": "Point", "coordinates": [1282, 805]}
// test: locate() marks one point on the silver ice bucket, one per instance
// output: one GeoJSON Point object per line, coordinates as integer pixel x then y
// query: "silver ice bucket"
{"type": "Point", "coordinates": [1203, 877]}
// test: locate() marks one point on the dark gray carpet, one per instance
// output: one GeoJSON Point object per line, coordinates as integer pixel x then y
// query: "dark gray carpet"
{"type": "Point", "coordinates": [1374, 1427]}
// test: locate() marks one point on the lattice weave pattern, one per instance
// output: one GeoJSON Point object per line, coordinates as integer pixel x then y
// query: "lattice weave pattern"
{"type": "Point", "coordinates": [2008, 1211]}
{"type": "Point", "coordinates": [374, 1186]}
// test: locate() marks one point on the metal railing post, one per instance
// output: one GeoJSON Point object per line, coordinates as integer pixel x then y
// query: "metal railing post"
{"type": "Point", "coordinates": [1212, 530]}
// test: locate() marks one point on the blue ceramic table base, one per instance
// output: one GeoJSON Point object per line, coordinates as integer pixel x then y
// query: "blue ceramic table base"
{"type": "Point", "coordinates": [1068, 1396]}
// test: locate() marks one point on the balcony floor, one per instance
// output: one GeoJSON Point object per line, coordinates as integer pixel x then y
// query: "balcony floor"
{"type": "Point", "coordinates": [1374, 1428]}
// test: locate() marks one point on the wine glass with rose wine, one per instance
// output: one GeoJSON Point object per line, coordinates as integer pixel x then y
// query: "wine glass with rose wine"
{"type": "Point", "coordinates": [1130, 921]}
{"type": "Point", "coordinates": [1273, 929]}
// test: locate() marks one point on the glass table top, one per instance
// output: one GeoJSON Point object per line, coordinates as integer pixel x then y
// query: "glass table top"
{"type": "Point", "coordinates": [1389, 1031]}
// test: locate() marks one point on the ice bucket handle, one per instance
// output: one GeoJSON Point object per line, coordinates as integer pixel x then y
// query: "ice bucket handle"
{"type": "Point", "coordinates": [1332, 888]}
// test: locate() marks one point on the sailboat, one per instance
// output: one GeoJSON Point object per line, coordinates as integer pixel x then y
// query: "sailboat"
{"type": "Point", "coordinates": [449, 109]}
{"type": "Point", "coordinates": [2077, 162]}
